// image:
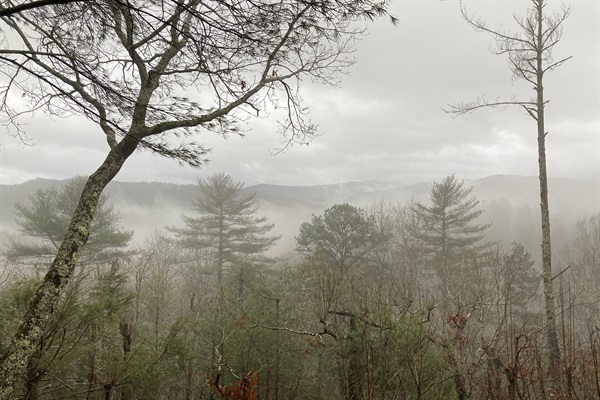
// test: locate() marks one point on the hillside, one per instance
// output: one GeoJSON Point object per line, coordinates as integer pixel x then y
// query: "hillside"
{"type": "Point", "coordinates": [510, 201]}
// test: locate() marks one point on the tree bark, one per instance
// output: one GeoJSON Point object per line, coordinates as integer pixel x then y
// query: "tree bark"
{"type": "Point", "coordinates": [354, 368]}
{"type": "Point", "coordinates": [554, 365]}
{"type": "Point", "coordinates": [459, 381]}
{"type": "Point", "coordinates": [14, 361]}
{"type": "Point", "coordinates": [126, 330]}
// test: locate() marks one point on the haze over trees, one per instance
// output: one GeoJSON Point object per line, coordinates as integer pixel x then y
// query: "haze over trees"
{"type": "Point", "coordinates": [47, 218]}
{"type": "Point", "coordinates": [358, 313]}
{"type": "Point", "coordinates": [121, 67]}
{"type": "Point", "coordinates": [390, 301]}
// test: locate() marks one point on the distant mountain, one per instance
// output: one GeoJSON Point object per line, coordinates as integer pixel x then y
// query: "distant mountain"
{"type": "Point", "coordinates": [147, 206]}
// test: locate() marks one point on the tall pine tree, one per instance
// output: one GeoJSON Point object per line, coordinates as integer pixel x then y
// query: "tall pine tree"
{"type": "Point", "coordinates": [225, 236]}
{"type": "Point", "coordinates": [448, 226]}
{"type": "Point", "coordinates": [226, 226]}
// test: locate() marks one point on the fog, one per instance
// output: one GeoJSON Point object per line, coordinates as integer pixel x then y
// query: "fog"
{"type": "Point", "coordinates": [509, 202]}
{"type": "Point", "coordinates": [238, 200]}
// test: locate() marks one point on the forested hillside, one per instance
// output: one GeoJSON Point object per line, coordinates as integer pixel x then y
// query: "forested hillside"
{"type": "Point", "coordinates": [398, 291]}
{"type": "Point", "coordinates": [509, 202]}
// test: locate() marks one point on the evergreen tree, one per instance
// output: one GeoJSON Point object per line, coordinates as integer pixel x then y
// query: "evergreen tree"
{"type": "Point", "coordinates": [340, 238]}
{"type": "Point", "coordinates": [448, 229]}
{"type": "Point", "coordinates": [529, 51]}
{"type": "Point", "coordinates": [226, 235]}
{"type": "Point", "coordinates": [47, 217]}
{"type": "Point", "coordinates": [520, 278]}
{"type": "Point", "coordinates": [226, 225]}
{"type": "Point", "coordinates": [336, 245]}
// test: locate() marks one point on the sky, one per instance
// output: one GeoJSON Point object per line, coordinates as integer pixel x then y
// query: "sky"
{"type": "Point", "coordinates": [385, 120]}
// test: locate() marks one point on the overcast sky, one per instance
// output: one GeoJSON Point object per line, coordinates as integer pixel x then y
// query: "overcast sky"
{"type": "Point", "coordinates": [385, 121]}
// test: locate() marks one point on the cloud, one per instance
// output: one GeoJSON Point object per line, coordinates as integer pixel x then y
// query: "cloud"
{"type": "Point", "coordinates": [385, 120]}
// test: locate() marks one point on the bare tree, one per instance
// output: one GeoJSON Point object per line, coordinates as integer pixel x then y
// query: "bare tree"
{"type": "Point", "coordinates": [530, 57]}
{"type": "Point", "coordinates": [129, 66]}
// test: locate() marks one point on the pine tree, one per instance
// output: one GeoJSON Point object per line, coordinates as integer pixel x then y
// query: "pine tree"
{"type": "Point", "coordinates": [336, 247]}
{"type": "Point", "coordinates": [447, 225]}
{"type": "Point", "coordinates": [47, 216]}
{"type": "Point", "coordinates": [340, 238]}
{"type": "Point", "coordinates": [228, 236]}
{"type": "Point", "coordinates": [529, 51]}
{"type": "Point", "coordinates": [45, 220]}
{"type": "Point", "coordinates": [227, 226]}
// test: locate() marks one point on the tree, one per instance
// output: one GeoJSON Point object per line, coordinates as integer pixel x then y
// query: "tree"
{"type": "Point", "coordinates": [337, 247]}
{"type": "Point", "coordinates": [230, 236]}
{"type": "Point", "coordinates": [336, 244]}
{"type": "Point", "coordinates": [227, 226]}
{"type": "Point", "coordinates": [9, 9]}
{"type": "Point", "coordinates": [587, 261]}
{"type": "Point", "coordinates": [124, 67]}
{"type": "Point", "coordinates": [451, 238]}
{"type": "Point", "coordinates": [14, 300]}
{"type": "Point", "coordinates": [530, 58]}
{"type": "Point", "coordinates": [407, 255]}
{"type": "Point", "coordinates": [154, 332]}
{"type": "Point", "coordinates": [106, 358]}
{"type": "Point", "coordinates": [46, 218]}
{"type": "Point", "coordinates": [341, 237]}
{"type": "Point", "coordinates": [447, 226]}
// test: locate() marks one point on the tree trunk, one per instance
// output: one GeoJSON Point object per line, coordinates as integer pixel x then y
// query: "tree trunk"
{"type": "Point", "coordinates": [459, 382]}
{"type": "Point", "coordinates": [127, 336]}
{"type": "Point", "coordinates": [107, 390]}
{"type": "Point", "coordinates": [24, 343]}
{"type": "Point", "coordinates": [33, 379]}
{"type": "Point", "coordinates": [354, 368]}
{"type": "Point", "coordinates": [554, 365]}
{"type": "Point", "coordinates": [277, 357]}
{"type": "Point", "coordinates": [189, 393]}
{"type": "Point", "coordinates": [33, 375]}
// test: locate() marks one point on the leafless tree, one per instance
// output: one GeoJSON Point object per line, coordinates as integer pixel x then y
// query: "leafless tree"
{"type": "Point", "coordinates": [529, 53]}
{"type": "Point", "coordinates": [152, 72]}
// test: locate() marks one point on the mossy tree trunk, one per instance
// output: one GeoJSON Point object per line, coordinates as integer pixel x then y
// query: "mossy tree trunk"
{"type": "Point", "coordinates": [24, 344]}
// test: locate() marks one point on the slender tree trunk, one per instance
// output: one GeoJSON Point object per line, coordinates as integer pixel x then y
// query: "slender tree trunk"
{"type": "Point", "coordinates": [127, 336]}
{"type": "Point", "coordinates": [217, 348]}
{"type": "Point", "coordinates": [554, 366]}
{"type": "Point", "coordinates": [354, 369]}
{"type": "Point", "coordinates": [277, 358]}
{"type": "Point", "coordinates": [107, 390]}
{"type": "Point", "coordinates": [33, 379]}
{"type": "Point", "coordinates": [189, 381]}
{"type": "Point", "coordinates": [459, 382]}
{"type": "Point", "coordinates": [220, 250]}
{"type": "Point", "coordinates": [15, 359]}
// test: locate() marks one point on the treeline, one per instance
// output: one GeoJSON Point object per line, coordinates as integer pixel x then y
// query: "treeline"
{"type": "Point", "coordinates": [388, 302]}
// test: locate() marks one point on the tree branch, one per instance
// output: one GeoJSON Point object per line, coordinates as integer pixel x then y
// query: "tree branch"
{"type": "Point", "coordinates": [9, 11]}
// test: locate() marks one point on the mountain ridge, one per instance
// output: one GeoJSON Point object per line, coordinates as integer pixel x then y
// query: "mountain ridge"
{"type": "Point", "coordinates": [147, 206]}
